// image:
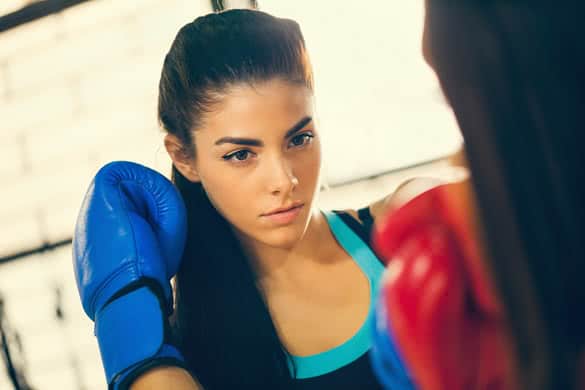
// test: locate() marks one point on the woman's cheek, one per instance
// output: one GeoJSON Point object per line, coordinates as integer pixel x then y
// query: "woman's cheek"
{"type": "Point", "coordinates": [308, 165]}
{"type": "Point", "coordinates": [231, 197]}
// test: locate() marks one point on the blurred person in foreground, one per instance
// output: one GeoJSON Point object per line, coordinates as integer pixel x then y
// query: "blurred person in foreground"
{"type": "Point", "coordinates": [484, 284]}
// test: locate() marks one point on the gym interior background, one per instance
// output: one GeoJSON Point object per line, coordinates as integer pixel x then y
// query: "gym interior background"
{"type": "Point", "coordinates": [78, 86]}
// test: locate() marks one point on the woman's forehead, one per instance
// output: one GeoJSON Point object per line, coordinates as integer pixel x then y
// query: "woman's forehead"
{"type": "Point", "coordinates": [271, 106]}
{"type": "Point", "coordinates": [265, 96]}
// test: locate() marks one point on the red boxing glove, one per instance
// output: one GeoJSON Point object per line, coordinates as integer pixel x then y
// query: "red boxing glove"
{"type": "Point", "coordinates": [441, 306]}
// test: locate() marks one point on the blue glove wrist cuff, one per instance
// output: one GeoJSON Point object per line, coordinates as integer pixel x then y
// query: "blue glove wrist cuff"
{"type": "Point", "coordinates": [167, 356]}
{"type": "Point", "coordinates": [130, 331]}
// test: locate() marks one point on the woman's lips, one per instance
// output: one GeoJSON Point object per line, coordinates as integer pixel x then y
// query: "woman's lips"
{"type": "Point", "coordinates": [284, 217]}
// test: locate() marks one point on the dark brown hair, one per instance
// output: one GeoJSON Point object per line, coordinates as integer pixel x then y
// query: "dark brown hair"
{"type": "Point", "coordinates": [222, 322]}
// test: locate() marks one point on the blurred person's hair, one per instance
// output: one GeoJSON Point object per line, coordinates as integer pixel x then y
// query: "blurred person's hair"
{"type": "Point", "coordinates": [514, 73]}
{"type": "Point", "coordinates": [221, 319]}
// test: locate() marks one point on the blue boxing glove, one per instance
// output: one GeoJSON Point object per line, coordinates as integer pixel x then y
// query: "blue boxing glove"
{"type": "Point", "coordinates": [128, 243]}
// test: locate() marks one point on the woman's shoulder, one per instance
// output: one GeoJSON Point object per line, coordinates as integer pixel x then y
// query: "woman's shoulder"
{"type": "Point", "coordinates": [404, 192]}
{"type": "Point", "coordinates": [358, 220]}
{"type": "Point", "coordinates": [363, 219]}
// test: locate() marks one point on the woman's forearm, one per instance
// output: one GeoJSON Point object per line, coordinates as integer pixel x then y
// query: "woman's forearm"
{"type": "Point", "coordinates": [162, 378]}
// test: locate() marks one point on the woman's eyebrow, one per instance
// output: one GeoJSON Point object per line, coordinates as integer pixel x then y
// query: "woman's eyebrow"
{"type": "Point", "coordinates": [239, 141]}
{"type": "Point", "coordinates": [256, 142]}
{"type": "Point", "coordinates": [298, 126]}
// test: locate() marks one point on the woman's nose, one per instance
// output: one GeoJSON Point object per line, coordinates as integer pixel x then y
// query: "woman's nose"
{"type": "Point", "coordinates": [281, 177]}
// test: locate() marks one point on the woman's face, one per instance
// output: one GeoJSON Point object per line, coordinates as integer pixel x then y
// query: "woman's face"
{"type": "Point", "coordinates": [257, 151]}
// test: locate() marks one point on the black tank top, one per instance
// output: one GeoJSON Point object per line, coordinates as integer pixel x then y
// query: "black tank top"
{"type": "Point", "coordinates": [357, 374]}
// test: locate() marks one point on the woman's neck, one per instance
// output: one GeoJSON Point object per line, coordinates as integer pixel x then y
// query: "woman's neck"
{"type": "Point", "coordinates": [273, 265]}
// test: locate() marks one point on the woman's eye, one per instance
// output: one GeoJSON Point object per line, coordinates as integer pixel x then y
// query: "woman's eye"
{"type": "Point", "coordinates": [301, 139]}
{"type": "Point", "coordinates": [240, 155]}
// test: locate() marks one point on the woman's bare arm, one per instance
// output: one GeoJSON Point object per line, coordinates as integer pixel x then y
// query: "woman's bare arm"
{"type": "Point", "coordinates": [403, 193]}
{"type": "Point", "coordinates": [163, 378]}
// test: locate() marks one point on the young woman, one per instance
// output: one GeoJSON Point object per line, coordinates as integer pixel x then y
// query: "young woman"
{"type": "Point", "coordinates": [271, 292]}
{"type": "Point", "coordinates": [507, 261]}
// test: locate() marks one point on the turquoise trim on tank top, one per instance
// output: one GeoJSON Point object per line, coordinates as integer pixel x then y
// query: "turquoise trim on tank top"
{"type": "Point", "coordinates": [342, 355]}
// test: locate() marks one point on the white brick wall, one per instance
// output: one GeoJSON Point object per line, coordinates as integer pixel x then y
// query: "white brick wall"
{"type": "Point", "coordinates": [28, 287]}
{"type": "Point", "coordinates": [77, 90]}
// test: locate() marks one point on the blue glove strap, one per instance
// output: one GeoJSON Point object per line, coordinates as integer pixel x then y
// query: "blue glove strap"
{"type": "Point", "coordinates": [129, 330]}
{"type": "Point", "coordinates": [168, 355]}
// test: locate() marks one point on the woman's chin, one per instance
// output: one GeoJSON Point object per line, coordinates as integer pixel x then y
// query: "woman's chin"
{"type": "Point", "coordinates": [285, 237]}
